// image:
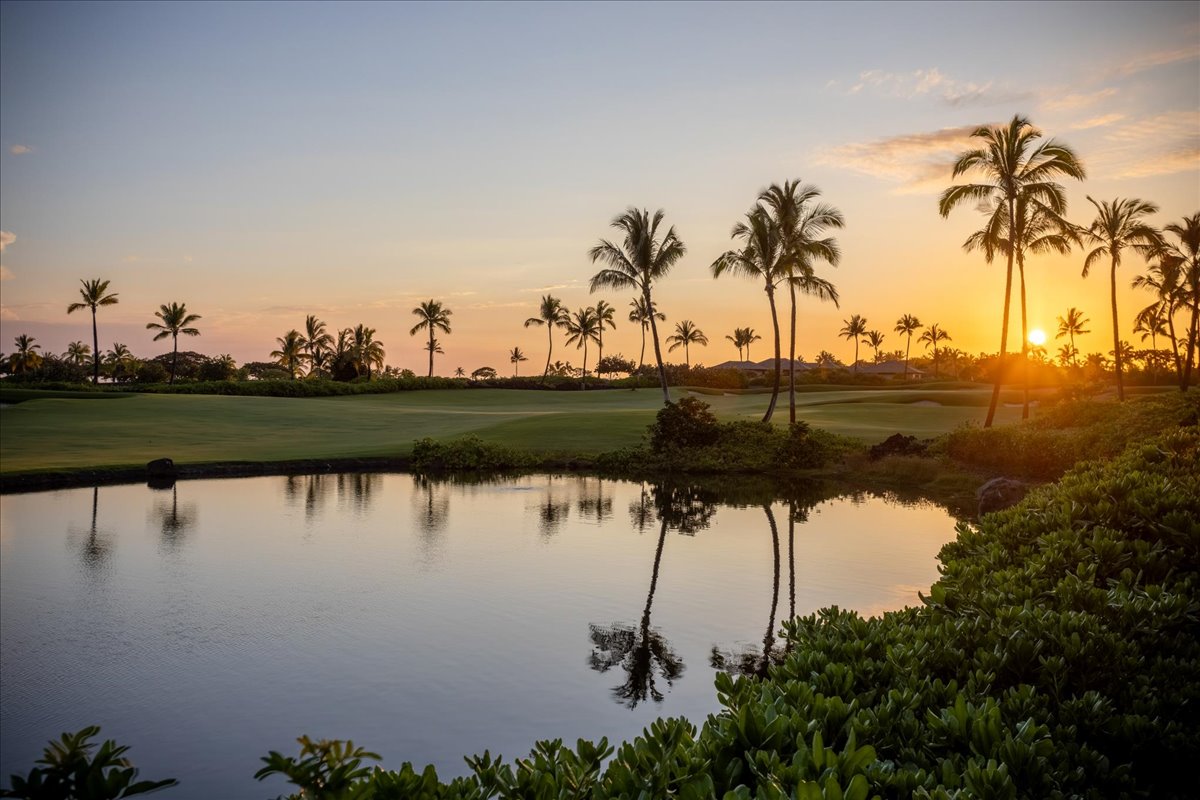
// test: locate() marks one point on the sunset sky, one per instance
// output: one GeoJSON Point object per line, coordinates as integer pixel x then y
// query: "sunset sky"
{"type": "Point", "coordinates": [261, 162]}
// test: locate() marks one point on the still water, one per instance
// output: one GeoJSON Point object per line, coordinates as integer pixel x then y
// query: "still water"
{"type": "Point", "coordinates": [210, 622]}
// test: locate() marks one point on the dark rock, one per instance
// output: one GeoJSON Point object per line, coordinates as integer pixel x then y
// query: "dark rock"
{"type": "Point", "coordinates": [898, 445]}
{"type": "Point", "coordinates": [1000, 493]}
{"type": "Point", "coordinates": [160, 484]}
{"type": "Point", "coordinates": [161, 468]}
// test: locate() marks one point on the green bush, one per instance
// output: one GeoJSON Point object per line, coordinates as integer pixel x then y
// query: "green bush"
{"type": "Point", "coordinates": [466, 453]}
{"type": "Point", "coordinates": [70, 771]}
{"type": "Point", "coordinates": [686, 424]}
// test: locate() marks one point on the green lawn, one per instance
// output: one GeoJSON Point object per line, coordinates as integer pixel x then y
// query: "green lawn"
{"type": "Point", "coordinates": [64, 433]}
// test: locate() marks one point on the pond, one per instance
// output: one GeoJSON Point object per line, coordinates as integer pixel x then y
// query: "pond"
{"type": "Point", "coordinates": [212, 621]}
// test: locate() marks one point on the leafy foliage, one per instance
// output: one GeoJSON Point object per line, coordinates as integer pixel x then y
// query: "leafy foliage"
{"type": "Point", "coordinates": [70, 771]}
{"type": "Point", "coordinates": [466, 453]}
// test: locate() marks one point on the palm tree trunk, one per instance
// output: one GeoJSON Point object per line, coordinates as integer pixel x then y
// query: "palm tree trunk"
{"type": "Point", "coordinates": [1116, 335]}
{"type": "Point", "coordinates": [431, 349]}
{"type": "Point", "coordinates": [1074, 352]}
{"type": "Point", "coordinates": [549, 349]}
{"type": "Point", "coordinates": [1175, 349]}
{"type": "Point", "coordinates": [935, 359]}
{"type": "Point", "coordinates": [792, 560]}
{"type": "Point", "coordinates": [1024, 337]}
{"type": "Point", "coordinates": [662, 372]}
{"type": "Point", "coordinates": [662, 539]}
{"type": "Point", "coordinates": [687, 360]}
{"type": "Point", "coordinates": [856, 355]}
{"type": "Point", "coordinates": [174, 357]}
{"type": "Point", "coordinates": [769, 639]}
{"type": "Point", "coordinates": [1193, 334]}
{"type": "Point", "coordinates": [1153, 362]}
{"type": "Point", "coordinates": [95, 351]}
{"type": "Point", "coordinates": [907, 350]}
{"type": "Point", "coordinates": [792, 358]}
{"type": "Point", "coordinates": [583, 374]}
{"type": "Point", "coordinates": [775, 325]}
{"type": "Point", "coordinates": [600, 350]}
{"type": "Point", "coordinates": [991, 413]}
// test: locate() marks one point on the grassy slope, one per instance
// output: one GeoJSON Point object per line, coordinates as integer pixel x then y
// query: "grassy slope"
{"type": "Point", "coordinates": [70, 433]}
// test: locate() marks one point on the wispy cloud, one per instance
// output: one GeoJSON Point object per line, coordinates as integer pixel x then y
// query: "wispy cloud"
{"type": "Point", "coordinates": [1076, 100]}
{"type": "Point", "coordinates": [1159, 145]}
{"type": "Point", "coordinates": [1097, 122]}
{"type": "Point", "coordinates": [919, 162]}
{"type": "Point", "coordinates": [20, 149]}
{"type": "Point", "coordinates": [930, 82]}
{"type": "Point", "coordinates": [6, 238]}
{"type": "Point", "coordinates": [1159, 59]}
{"type": "Point", "coordinates": [5, 274]}
{"type": "Point", "coordinates": [8, 314]}
{"type": "Point", "coordinates": [575, 284]}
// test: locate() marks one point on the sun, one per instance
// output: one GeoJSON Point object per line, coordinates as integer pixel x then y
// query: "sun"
{"type": "Point", "coordinates": [1037, 336]}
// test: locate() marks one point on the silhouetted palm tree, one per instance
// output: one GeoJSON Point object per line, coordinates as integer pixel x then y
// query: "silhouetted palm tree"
{"type": "Point", "coordinates": [290, 352]}
{"type": "Point", "coordinates": [459, 372]}
{"type": "Point", "coordinates": [1164, 277]}
{"type": "Point", "coordinates": [907, 325]}
{"type": "Point", "coordinates": [751, 338]}
{"type": "Point", "coordinates": [434, 317]}
{"type": "Point", "coordinates": [801, 220]}
{"type": "Point", "coordinates": [317, 341]}
{"type": "Point", "coordinates": [1066, 355]}
{"type": "Point", "coordinates": [1071, 326]}
{"type": "Point", "coordinates": [552, 315]}
{"type": "Point", "coordinates": [932, 335]}
{"type": "Point", "coordinates": [515, 357]}
{"type": "Point", "coordinates": [640, 315]}
{"type": "Point", "coordinates": [875, 339]}
{"type": "Point", "coordinates": [738, 340]}
{"type": "Point", "coordinates": [24, 359]}
{"type": "Point", "coordinates": [120, 362]}
{"type": "Point", "coordinates": [1187, 255]}
{"type": "Point", "coordinates": [604, 316]}
{"type": "Point", "coordinates": [1151, 324]}
{"type": "Point", "coordinates": [175, 320]}
{"type": "Point", "coordinates": [640, 260]}
{"type": "Point", "coordinates": [761, 258]}
{"type": "Point", "coordinates": [1014, 167]}
{"type": "Point", "coordinates": [854, 328]}
{"type": "Point", "coordinates": [749, 662]}
{"type": "Point", "coordinates": [686, 334]}
{"type": "Point", "coordinates": [367, 351]}
{"type": "Point", "coordinates": [1118, 226]}
{"type": "Point", "coordinates": [77, 353]}
{"type": "Point", "coordinates": [94, 294]}
{"type": "Point", "coordinates": [583, 327]}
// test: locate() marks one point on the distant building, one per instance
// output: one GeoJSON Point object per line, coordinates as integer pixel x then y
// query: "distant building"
{"type": "Point", "coordinates": [891, 369]}
{"type": "Point", "coordinates": [759, 369]}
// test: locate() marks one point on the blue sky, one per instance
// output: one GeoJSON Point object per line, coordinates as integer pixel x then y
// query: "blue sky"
{"type": "Point", "coordinates": [265, 161]}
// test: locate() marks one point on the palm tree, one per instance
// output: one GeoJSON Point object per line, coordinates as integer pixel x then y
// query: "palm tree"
{"type": "Point", "coordinates": [368, 352]}
{"type": "Point", "coordinates": [120, 361]}
{"type": "Point", "coordinates": [290, 352]}
{"type": "Point", "coordinates": [94, 294]}
{"type": "Point", "coordinates": [1072, 325]}
{"type": "Point", "coordinates": [175, 320]}
{"type": "Point", "coordinates": [875, 339]}
{"type": "Point", "coordinates": [761, 258]}
{"type": "Point", "coordinates": [604, 316]}
{"type": "Point", "coordinates": [800, 220]}
{"type": "Point", "coordinates": [1014, 167]}
{"type": "Point", "coordinates": [1119, 225]}
{"type": "Point", "coordinates": [750, 338]}
{"type": "Point", "coordinates": [24, 359]}
{"type": "Point", "coordinates": [1151, 323]}
{"type": "Point", "coordinates": [738, 339]}
{"type": "Point", "coordinates": [640, 314]}
{"type": "Point", "coordinates": [77, 353]}
{"type": "Point", "coordinates": [433, 316]}
{"type": "Point", "coordinates": [1066, 355]}
{"type": "Point", "coordinates": [1165, 279]}
{"type": "Point", "coordinates": [907, 325]}
{"type": "Point", "coordinates": [583, 327]}
{"type": "Point", "coordinates": [552, 315]}
{"type": "Point", "coordinates": [515, 357]}
{"type": "Point", "coordinates": [459, 372]}
{"type": "Point", "coordinates": [932, 335]}
{"type": "Point", "coordinates": [854, 328]}
{"type": "Point", "coordinates": [317, 341]}
{"type": "Point", "coordinates": [640, 260]}
{"type": "Point", "coordinates": [1186, 254]}
{"type": "Point", "coordinates": [686, 334]}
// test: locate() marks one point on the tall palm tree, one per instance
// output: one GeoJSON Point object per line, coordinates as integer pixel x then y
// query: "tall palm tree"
{"type": "Point", "coordinates": [875, 339]}
{"type": "Point", "coordinates": [640, 260]}
{"type": "Point", "coordinates": [1118, 226]}
{"type": "Point", "coordinates": [368, 352]}
{"type": "Point", "coordinates": [686, 334]}
{"type": "Point", "coordinates": [907, 325]}
{"type": "Point", "coordinates": [94, 294]}
{"type": "Point", "coordinates": [801, 221]}
{"type": "Point", "coordinates": [583, 327]}
{"type": "Point", "coordinates": [738, 339]}
{"type": "Point", "coordinates": [751, 338]}
{"type": "Point", "coordinates": [175, 320]}
{"type": "Point", "coordinates": [932, 335]}
{"type": "Point", "coordinates": [1151, 323]}
{"type": "Point", "coordinates": [552, 315]}
{"type": "Point", "coordinates": [604, 316]}
{"type": "Point", "coordinates": [854, 328]}
{"type": "Point", "coordinates": [515, 357]}
{"type": "Point", "coordinates": [317, 342]}
{"type": "Point", "coordinates": [1014, 165]}
{"type": "Point", "coordinates": [761, 258]}
{"type": "Point", "coordinates": [1187, 255]}
{"type": "Point", "coordinates": [433, 316]}
{"type": "Point", "coordinates": [25, 359]}
{"type": "Point", "coordinates": [1164, 277]}
{"type": "Point", "coordinates": [291, 351]}
{"type": "Point", "coordinates": [1071, 326]}
{"type": "Point", "coordinates": [77, 353]}
{"type": "Point", "coordinates": [640, 314]}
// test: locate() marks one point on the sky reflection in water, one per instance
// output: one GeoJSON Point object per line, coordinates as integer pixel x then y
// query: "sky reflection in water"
{"type": "Point", "coordinates": [206, 623]}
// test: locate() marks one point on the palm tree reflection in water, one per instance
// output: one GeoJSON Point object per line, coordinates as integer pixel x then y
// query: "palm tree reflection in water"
{"type": "Point", "coordinates": [642, 651]}
{"type": "Point", "coordinates": [174, 521]}
{"type": "Point", "coordinates": [96, 548]}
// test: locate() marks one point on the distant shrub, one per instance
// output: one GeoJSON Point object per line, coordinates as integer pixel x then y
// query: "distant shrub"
{"type": "Point", "coordinates": [286, 387]}
{"type": "Point", "coordinates": [466, 453]}
{"type": "Point", "coordinates": [686, 424]}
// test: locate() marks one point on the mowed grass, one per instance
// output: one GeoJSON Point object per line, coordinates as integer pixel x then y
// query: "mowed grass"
{"type": "Point", "coordinates": [66, 433]}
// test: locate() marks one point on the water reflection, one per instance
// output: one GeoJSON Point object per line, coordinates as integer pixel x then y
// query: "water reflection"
{"type": "Point", "coordinates": [593, 504]}
{"type": "Point", "coordinates": [95, 547]}
{"type": "Point", "coordinates": [173, 521]}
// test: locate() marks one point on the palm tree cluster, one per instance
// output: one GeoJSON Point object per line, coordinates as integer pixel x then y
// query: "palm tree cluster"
{"type": "Point", "coordinates": [743, 338]}
{"type": "Point", "coordinates": [355, 352]}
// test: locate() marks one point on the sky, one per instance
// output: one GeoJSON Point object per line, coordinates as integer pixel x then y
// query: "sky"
{"type": "Point", "coordinates": [263, 162]}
